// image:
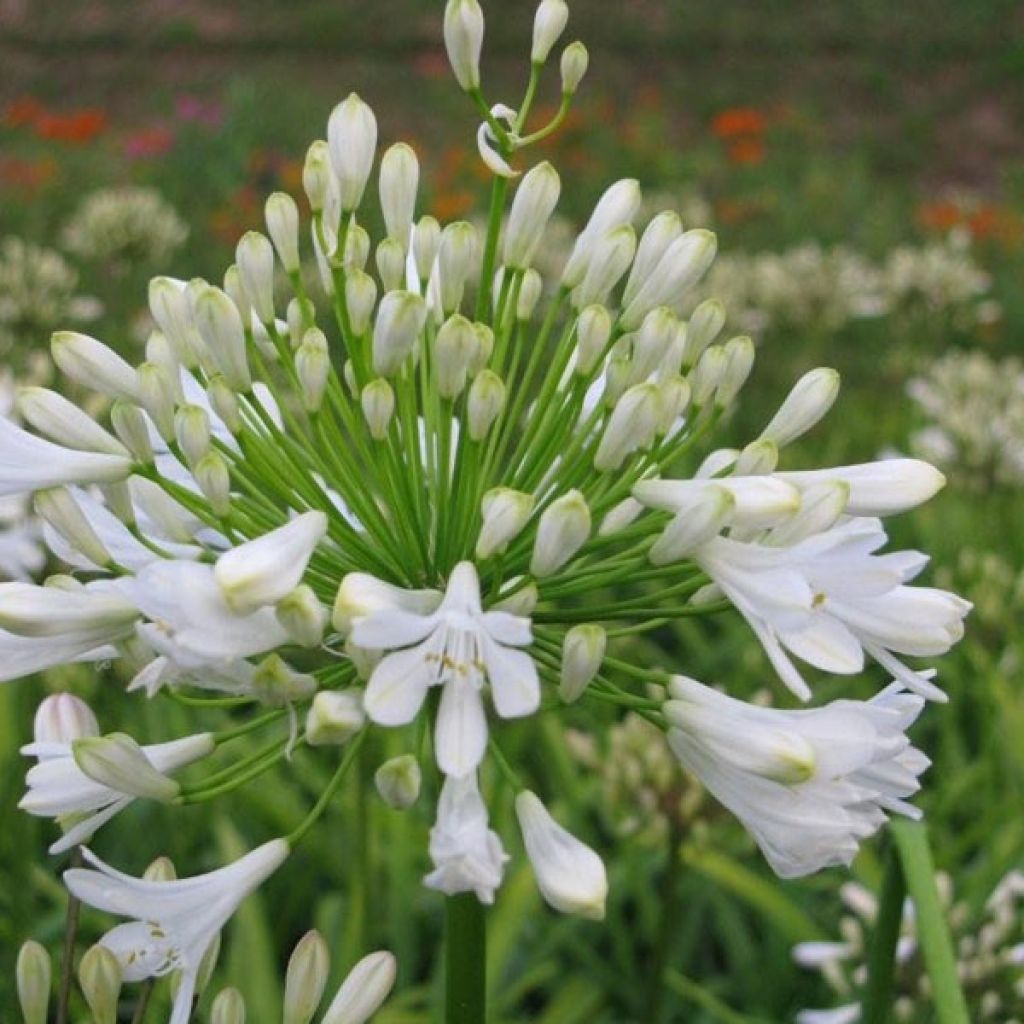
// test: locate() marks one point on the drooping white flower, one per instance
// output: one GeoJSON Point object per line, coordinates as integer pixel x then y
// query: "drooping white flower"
{"type": "Point", "coordinates": [467, 855]}
{"type": "Point", "coordinates": [459, 647]}
{"type": "Point", "coordinates": [172, 923]}
{"type": "Point", "coordinates": [809, 785]}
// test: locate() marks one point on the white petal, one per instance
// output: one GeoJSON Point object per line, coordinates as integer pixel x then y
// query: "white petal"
{"type": "Point", "coordinates": [460, 738]}
{"type": "Point", "coordinates": [397, 687]}
{"type": "Point", "coordinates": [515, 687]}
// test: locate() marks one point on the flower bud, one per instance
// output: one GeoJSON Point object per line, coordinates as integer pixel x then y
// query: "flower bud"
{"type": "Point", "coordinates": [316, 175]}
{"type": "Point", "coordinates": [295, 315]}
{"type": "Point", "coordinates": [570, 876]}
{"type": "Point", "coordinates": [482, 350]}
{"type": "Point", "coordinates": [335, 717]}
{"type": "Point", "coordinates": [364, 990]}
{"type": "Point", "coordinates": [758, 458]}
{"type": "Point", "coordinates": [400, 318]}
{"type": "Point", "coordinates": [821, 505]}
{"type": "Point", "coordinates": [593, 329]}
{"type": "Point", "coordinates": [675, 397]}
{"type": "Point", "coordinates": [398, 781]}
{"type": "Point", "coordinates": [739, 360]}
{"type": "Point", "coordinates": [616, 207]}
{"type": "Point", "coordinates": [160, 870]}
{"type": "Point", "coordinates": [157, 397]}
{"type": "Point", "coordinates": [352, 138]}
{"type": "Point", "coordinates": [357, 248]}
{"type": "Point", "coordinates": [707, 375]}
{"type": "Point", "coordinates": [224, 403]}
{"type": "Point", "coordinates": [119, 763]}
{"type": "Point", "coordinates": [454, 346]}
{"type": "Point", "coordinates": [312, 368]}
{"type": "Point", "coordinates": [811, 398]}
{"type": "Point", "coordinates": [456, 255]}
{"type": "Point", "coordinates": [220, 325]}
{"type": "Point", "coordinates": [62, 421]}
{"type": "Point", "coordinates": [302, 615]}
{"type": "Point", "coordinates": [92, 364]}
{"type": "Point", "coordinates": [59, 508]}
{"type": "Point", "coordinates": [485, 403]}
{"type": "Point", "coordinates": [534, 202]}
{"type": "Point", "coordinates": [632, 425]}
{"type": "Point", "coordinates": [582, 653]}
{"type": "Point", "coordinates": [548, 24]}
{"type": "Point", "coordinates": [659, 234]}
{"type": "Point", "coordinates": [609, 260]}
{"type": "Point", "coordinates": [212, 475]}
{"type": "Point", "coordinates": [505, 512]}
{"type": "Point", "coordinates": [306, 978]}
{"type": "Point", "coordinates": [255, 258]}
{"type": "Point", "coordinates": [170, 308]}
{"type": "Point", "coordinates": [228, 1007]}
{"type": "Point", "coordinates": [276, 684]}
{"type": "Point", "coordinates": [426, 240]}
{"type": "Point", "coordinates": [530, 291]}
{"type": "Point", "coordinates": [348, 371]}
{"type": "Point", "coordinates": [391, 264]}
{"type": "Point", "coordinates": [234, 290]}
{"type": "Point", "coordinates": [33, 973]}
{"type": "Point", "coordinates": [360, 298]}
{"type": "Point", "coordinates": [282, 217]}
{"type": "Point", "coordinates": [694, 525]}
{"type": "Point", "coordinates": [563, 529]}
{"type": "Point", "coordinates": [619, 517]}
{"type": "Point", "coordinates": [99, 976]}
{"type": "Point", "coordinates": [704, 325]}
{"type": "Point", "coordinates": [463, 38]}
{"type": "Point", "coordinates": [573, 67]}
{"type": "Point", "coordinates": [130, 426]}
{"type": "Point", "coordinates": [399, 179]}
{"type": "Point", "coordinates": [192, 431]}
{"type": "Point", "coordinates": [378, 402]}
{"type": "Point", "coordinates": [63, 718]}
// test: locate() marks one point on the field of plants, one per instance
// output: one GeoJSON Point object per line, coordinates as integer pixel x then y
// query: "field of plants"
{"type": "Point", "coordinates": [862, 166]}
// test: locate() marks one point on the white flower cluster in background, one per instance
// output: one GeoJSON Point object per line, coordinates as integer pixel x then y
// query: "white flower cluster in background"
{"type": "Point", "coordinates": [123, 226]}
{"type": "Point", "coordinates": [974, 410]}
{"type": "Point", "coordinates": [989, 946]}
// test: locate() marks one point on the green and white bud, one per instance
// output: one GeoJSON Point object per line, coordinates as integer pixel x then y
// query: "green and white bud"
{"type": "Point", "coordinates": [234, 290]}
{"type": "Point", "coordinates": [563, 529]}
{"type": "Point", "coordinates": [659, 234]}
{"type": "Point", "coordinates": [399, 179]}
{"type": "Point", "coordinates": [456, 257]}
{"type": "Point", "coordinates": [652, 342]}
{"type": "Point", "coordinates": [619, 517]}
{"type": "Point", "coordinates": [306, 978]}
{"type": "Point", "coordinates": [160, 870]}
{"type": "Point", "coordinates": [224, 402]}
{"type": "Point", "coordinates": [693, 526]}
{"type": "Point", "coordinates": [53, 416]}
{"type": "Point", "coordinates": [130, 426]}
{"type": "Point", "coordinates": [228, 1007]}
{"type": "Point", "coordinates": [378, 402]}
{"type": "Point", "coordinates": [316, 175]}
{"type": "Point", "coordinates": [312, 368]}
{"type": "Point", "coordinates": [534, 202]}
{"type": "Point", "coordinates": [277, 684]}
{"type": "Point", "coordinates": [348, 372]}
{"type": "Point", "coordinates": [169, 306]}
{"type": "Point", "coordinates": [705, 324]}
{"type": "Point", "coordinates": [391, 264]}
{"type": "Point", "coordinates": [483, 350]}
{"type": "Point", "coordinates": [811, 398]}
{"type": "Point", "coordinates": [675, 397]}
{"type": "Point", "coordinates": [463, 39]}
{"type": "Point", "coordinates": [573, 67]}
{"type": "Point", "coordinates": [212, 475]}
{"type": "Point", "coordinates": [616, 208]}
{"type": "Point", "coordinates": [632, 425]}
{"type": "Point", "coordinates": [119, 763]}
{"type": "Point", "coordinates": [192, 430]}
{"type": "Point", "coordinates": [352, 138]}
{"type": "Point", "coordinates": [33, 973]}
{"type": "Point", "coordinates": [99, 977]}
{"type": "Point", "coordinates": [282, 216]}
{"type": "Point", "coordinates": [363, 659]}
{"type": "Point", "coordinates": [739, 361]}
{"type": "Point", "coordinates": [364, 990]}
{"type": "Point", "coordinates": [426, 240]}
{"type": "Point", "coordinates": [610, 259]}
{"type": "Point", "coordinates": [303, 616]}
{"type": "Point", "coordinates": [296, 320]}
{"type": "Point", "coordinates": [92, 364]}
{"type": "Point", "coordinates": [616, 380]}
{"type": "Point", "coordinates": [758, 458]}
{"type": "Point", "coordinates": [254, 256]}
{"type": "Point", "coordinates": [357, 248]}
{"type": "Point", "coordinates": [485, 403]}
{"type": "Point", "coordinates": [454, 348]}
{"type": "Point", "coordinates": [58, 507]}
{"type": "Point", "coordinates": [505, 512]}
{"type": "Point", "coordinates": [530, 291]}
{"type": "Point", "coordinates": [335, 717]}
{"type": "Point", "coordinates": [548, 24]}
{"type": "Point", "coordinates": [118, 497]}
{"type": "Point", "coordinates": [400, 318]}
{"type": "Point", "coordinates": [398, 781]}
{"type": "Point", "coordinates": [360, 297]}
{"type": "Point", "coordinates": [707, 375]}
{"type": "Point", "coordinates": [220, 326]}
{"type": "Point", "coordinates": [582, 654]}
{"type": "Point", "coordinates": [593, 329]}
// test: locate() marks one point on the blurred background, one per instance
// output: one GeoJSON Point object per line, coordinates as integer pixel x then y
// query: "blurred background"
{"type": "Point", "coordinates": [863, 165]}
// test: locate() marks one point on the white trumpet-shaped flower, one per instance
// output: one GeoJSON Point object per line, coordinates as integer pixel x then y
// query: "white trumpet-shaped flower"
{"type": "Point", "coordinates": [460, 647]}
{"type": "Point", "coordinates": [171, 923]}
{"type": "Point", "coordinates": [808, 785]}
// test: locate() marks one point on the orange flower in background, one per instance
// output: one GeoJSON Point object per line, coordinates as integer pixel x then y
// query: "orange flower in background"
{"type": "Point", "coordinates": [25, 110]}
{"type": "Point", "coordinates": [943, 215]}
{"type": "Point", "coordinates": [452, 205]}
{"type": "Point", "coordinates": [76, 128]}
{"type": "Point", "coordinates": [735, 122]}
{"type": "Point", "coordinates": [746, 151]}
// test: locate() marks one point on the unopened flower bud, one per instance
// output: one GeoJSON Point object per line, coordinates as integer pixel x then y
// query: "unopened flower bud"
{"type": "Point", "coordinates": [378, 402]}
{"type": "Point", "coordinates": [563, 529]}
{"type": "Point", "coordinates": [573, 66]}
{"type": "Point", "coordinates": [192, 431]}
{"type": "Point", "coordinates": [306, 978]}
{"type": "Point", "coordinates": [530, 291]}
{"type": "Point", "coordinates": [220, 325]}
{"type": "Point", "coordinates": [534, 202]}
{"type": "Point", "coordinates": [33, 973]}
{"type": "Point", "coordinates": [548, 24]}
{"type": "Point", "coordinates": [811, 398]}
{"type": "Point", "coordinates": [352, 138]}
{"type": "Point", "coordinates": [60, 509]}
{"type": "Point", "coordinates": [254, 256]}
{"type": "Point", "coordinates": [398, 781]}
{"type": "Point", "coordinates": [118, 762]}
{"type": "Point", "coordinates": [426, 240]}
{"type": "Point", "coordinates": [454, 347]}
{"type": "Point", "coordinates": [363, 991]}
{"type": "Point", "coordinates": [234, 290]}
{"type": "Point", "coordinates": [62, 421]}
{"type": "Point", "coordinates": [523, 601]}
{"type": "Point", "coordinates": [463, 38]}
{"type": "Point", "coordinates": [675, 397]}
{"type": "Point", "coordinates": [63, 718]}
{"type": "Point", "coordinates": [224, 403]}
{"type": "Point", "coordinates": [316, 175]}
{"type": "Point", "coordinates": [482, 350]}
{"type": "Point", "coordinates": [610, 259]}
{"type": "Point", "coordinates": [693, 526]}
{"type": "Point", "coordinates": [160, 870]}
{"type": "Point", "coordinates": [399, 179]}
{"type": "Point", "coordinates": [212, 475]}
{"type": "Point", "coordinates": [312, 368]}
{"type": "Point", "coordinates": [651, 343]}
{"type": "Point", "coordinates": [157, 398]}
{"type": "Point", "coordinates": [348, 372]}
{"type": "Point", "coordinates": [659, 234]}
{"type": "Point", "coordinates": [582, 653]}
{"type": "Point", "coordinates": [704, 325]}
{"type": "Point", "coordinates": [302, 615]}
{"type": "Point", "coordinates": [739, 360]}
{"type": "Point", "coordinates": [99, 976]}
{"type": "Point", "coordinates": [391, 264]}
{"type": "Point", "coordinates": [759, 457]}
{"type": "Point", "coordinates": [92, 364]}
{"type": "Point", "coordinates": [360, 298]}
{"type": "Point", "coordinates": [505, 512]}
{"type": "Point", "coordinates": [632, 425]}
{"type": "Point", "coordinates": [296, 319]}
{"type": "Point", "coordinates": [485, 403]}
{"type": "Point", "coordinates": [335, 717]}
{"type": "Point", "coordinates": [616, 207]}
{"type": "Point", "coordinates": [282, 217]}
{"type": "Point", "coordinates": [400, 318]}
{"type": "Point", "coordinates": [707, 375]}
{"type": "Point", "coordinates": [619, 517]}
{"type": "Point", "coordinates": [228, 1007]}
{"type": "Point", "coordinates": [357, 248]}
{"type": "Point", "coordinates": [593, 329]}
{"type": "Point", "coordinates": [277, 684]}
{"type": "Point", "coordinates": [456, 255]}
{"type": "Point", "coordinates": [130, 426]}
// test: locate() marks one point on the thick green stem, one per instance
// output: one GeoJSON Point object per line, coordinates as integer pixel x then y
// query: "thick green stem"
{"type": "Point", "coordinates": [882, 954]}
{"type": "Point", "coordinates": [465, 960]}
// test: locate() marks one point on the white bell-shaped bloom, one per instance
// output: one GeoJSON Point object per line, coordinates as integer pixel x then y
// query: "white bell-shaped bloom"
{"type": "Point", "coordinates": [828, 599]}
{"type": "Point", "coordinates": [459, 646]}
{"type": "Point", "coordinates": [172, 923]}
{"type": "Point", "coordinates": [808, 785]}
{"type": "Point", "coordinates": [467, 855]}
